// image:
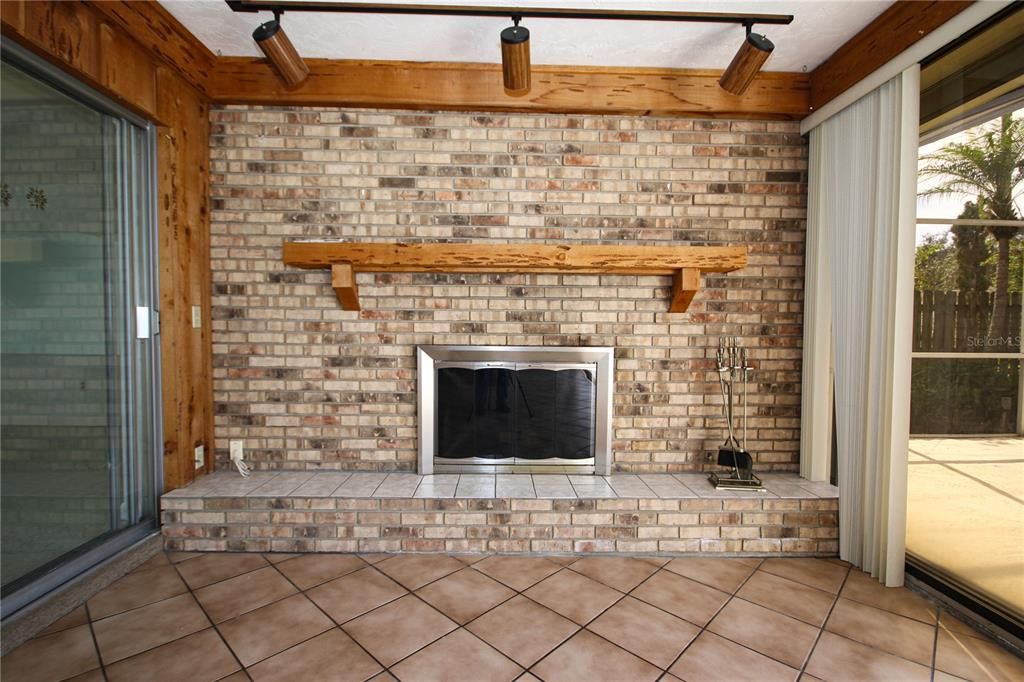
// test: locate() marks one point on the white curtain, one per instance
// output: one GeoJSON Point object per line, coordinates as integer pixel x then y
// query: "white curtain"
{"type": "Point", "coordinates": [861, 213]}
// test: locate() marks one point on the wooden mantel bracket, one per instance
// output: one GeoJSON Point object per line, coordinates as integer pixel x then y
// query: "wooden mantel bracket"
{"type": "Point", "coordinates": [343, 280]}
{"type": "Point", "coordinates": [684, 263]}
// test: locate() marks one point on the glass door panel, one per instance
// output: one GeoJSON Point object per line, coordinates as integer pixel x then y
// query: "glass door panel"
{"type": "Point", "coordinates": [76, 451]}
{"type": "Point", "coordinates": [965, 504]}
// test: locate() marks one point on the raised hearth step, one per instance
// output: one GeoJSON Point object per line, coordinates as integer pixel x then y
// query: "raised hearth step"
{"type": "Point", "coordinates": [329, 511]}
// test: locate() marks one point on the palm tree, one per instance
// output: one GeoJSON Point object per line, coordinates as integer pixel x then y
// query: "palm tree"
{"type": "Point", "coordinates": [989, 166]}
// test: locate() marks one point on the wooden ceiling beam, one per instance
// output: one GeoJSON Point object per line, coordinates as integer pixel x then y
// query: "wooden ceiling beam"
{"type": "Point", "coordinates": [458, 86]}
{"type": "Point", "coordinates": [892, 32]}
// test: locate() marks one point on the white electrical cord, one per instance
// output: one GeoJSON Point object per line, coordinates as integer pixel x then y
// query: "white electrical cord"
{"type": "Point", "coordinates": [241, 465]}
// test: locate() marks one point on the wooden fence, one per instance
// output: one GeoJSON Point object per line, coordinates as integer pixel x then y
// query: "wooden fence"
{"type": "Point", "coordinates": [953, 321]}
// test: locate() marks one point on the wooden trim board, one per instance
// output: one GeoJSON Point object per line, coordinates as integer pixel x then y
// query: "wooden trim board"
{"type": "Point", "coordinates": [891, 32]}
{"type": "Point", "coordinates": [684, 263]}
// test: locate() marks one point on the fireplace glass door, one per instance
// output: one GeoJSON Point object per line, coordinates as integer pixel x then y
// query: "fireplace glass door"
{"type": "Point", "coordinates": [506, 414]}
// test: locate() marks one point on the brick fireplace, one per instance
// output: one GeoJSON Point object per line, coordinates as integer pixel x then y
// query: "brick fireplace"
{"type": "Point", "coordinates": [309, 386]}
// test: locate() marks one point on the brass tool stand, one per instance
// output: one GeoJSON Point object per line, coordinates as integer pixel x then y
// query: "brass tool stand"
{"type": "Point", "coordinates": [732, 365]}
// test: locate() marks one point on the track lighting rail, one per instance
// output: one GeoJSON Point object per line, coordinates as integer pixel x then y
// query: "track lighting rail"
{"type": "Point", "coordinates": [747, 20]}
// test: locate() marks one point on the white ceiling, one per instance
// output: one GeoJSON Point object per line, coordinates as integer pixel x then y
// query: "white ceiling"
{"type": "Point", "coordinates": [819, 27]}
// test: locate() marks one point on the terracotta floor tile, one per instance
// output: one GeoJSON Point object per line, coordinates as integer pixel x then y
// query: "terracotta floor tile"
{"type": "Point", "coordinates": [396, 630]}
{"type": "Point", "coordinates": [278, 557]}
{"type": "Point", "coordinates": [946, 677]}
{"type": "Point", "coordinates": [523, 630]}
{"type": "Point", "coordinates": [416, 570]}
{"type": "Point", "coordinates": [53, 657]}
{"type": "Point", "coordinates": [353, 595]}
{"type": "Point", "coordinates": [211, 568]}
{"type": "Point", "coordinates": [240, 676]}
{"type": "Point", "coordinates": [457, 657]}
{"type": "Point", "coordinates": [136, 589]}
{"type": "Point", "coordinates": [574, 596]}
{"type": "Point", "coordinates": [271, 629]}
{"type": "Point", "coordinates": [243, 593]}
{"type": "Point", "coordinates": [777, 636]}
{"type": "Point", "coordinates": [138, 630]}
{"type": "Point", "coordinates": [469, 559]}
{"type": "Point", "coordinates": [682, 597]}
{"type": "Point", "coordinates": [588, 657]}
{"type": "Point", "coordinates": [889, 632]}
{"type": "Point", "coordinates": [178, 557]}
{"type": "Point", "coordinates": [712, 659]}
{"type": "Point", "coordinates": [973, 658]}
{"type": "Point", "coordinates": [805, 603]}
{"type": "Point", "coordinates": [518, 572]}
{"type": "Point", "coordinates": [948, 621]}
{"type": "Point", "coordinates": [527, 677]}
{"type": "Point", "coordinates": [818, 573]}
{"type": "Point", "coordinates": [73, 619]}
{"type": "Point", "coordinates": [562, 559]}
{"type": "Point", "coordinates": [465, 594]}
{"type": "Point", "coordinates": [330, 657]}
{"type": "Point", "coordinates": [383, 677]}
{"type": "Point", "coordinates": [157, 560]}
{"type": "Point", "coordinates": [622, 573]}
{"type": "Point", "coordinates": [863, 588]}
{"type": "Point", "coordinates": [201, 657]}
{"type": "Point", "coordinates": [91, 676]}
{"type": "Point", "coordinates": [374, 558]}
{"type": "Point", "coordinates": [650, 633]}
{"type": "Point", "coordinates": [309, 570]}
{"type": "Point", "coordinates": [722, 574]}
{"type": "Point", "coordinates": [839, 659]}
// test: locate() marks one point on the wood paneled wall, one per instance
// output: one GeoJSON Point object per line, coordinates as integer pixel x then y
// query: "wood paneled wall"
{"type": "Point", "coordinates": [139, 55]}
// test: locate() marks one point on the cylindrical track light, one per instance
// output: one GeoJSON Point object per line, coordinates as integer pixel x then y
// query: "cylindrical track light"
{"type": "Point", "coordinates": [279, 50]}
{"type": "Point", "coordinates": [746, 64]}
{"type": "Point", "coordinates": [515, 59]}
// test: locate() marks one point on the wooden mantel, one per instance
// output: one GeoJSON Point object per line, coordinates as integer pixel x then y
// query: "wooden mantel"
{"type": "Point", "coordinates": [345, 259]}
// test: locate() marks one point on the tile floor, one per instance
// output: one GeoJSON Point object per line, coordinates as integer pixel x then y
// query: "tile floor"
{"type": "Point", "coordinates": [233, 617]}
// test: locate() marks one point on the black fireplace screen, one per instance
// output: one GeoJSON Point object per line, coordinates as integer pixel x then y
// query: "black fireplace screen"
{"type": "Point", "coordinates": [510, 412]}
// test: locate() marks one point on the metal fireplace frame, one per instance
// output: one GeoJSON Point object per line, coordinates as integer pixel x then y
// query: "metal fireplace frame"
{"type": "Point", "coordinates": [428, 358]}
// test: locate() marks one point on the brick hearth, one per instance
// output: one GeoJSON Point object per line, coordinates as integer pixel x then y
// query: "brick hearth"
{"type": "Point", "coordinates": [377, 512]}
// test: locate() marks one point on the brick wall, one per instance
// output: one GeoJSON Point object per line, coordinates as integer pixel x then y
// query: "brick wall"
{"type": "Point", "coordinates": [308, 385]}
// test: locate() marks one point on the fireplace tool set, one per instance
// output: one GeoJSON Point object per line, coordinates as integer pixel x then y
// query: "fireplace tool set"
{"type": "Point", "coordinates": [732, 368]}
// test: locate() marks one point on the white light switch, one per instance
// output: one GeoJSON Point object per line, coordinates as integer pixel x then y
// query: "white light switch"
{"type": "Point", "coordinates": [197, 317]}
{"type": "Point", "coordinates": [200, 455]}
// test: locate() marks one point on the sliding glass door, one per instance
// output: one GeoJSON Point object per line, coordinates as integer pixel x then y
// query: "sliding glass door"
{"type": "Point", "coordinates": [965, 502]}
{"type": "Point", "coordinates": [77, 355]}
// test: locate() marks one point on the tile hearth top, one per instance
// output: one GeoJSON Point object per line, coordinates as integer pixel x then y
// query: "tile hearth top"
{"type": "Point", "coordinates": [439, 486]}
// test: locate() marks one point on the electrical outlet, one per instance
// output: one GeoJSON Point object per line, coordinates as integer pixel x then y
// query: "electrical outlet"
{"type": "Point", "coordinates": [236, 449]}
{"type": "Point", "coordinates": [197, 317]}
{"type": "Point", "coordinates": [200, 455]}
